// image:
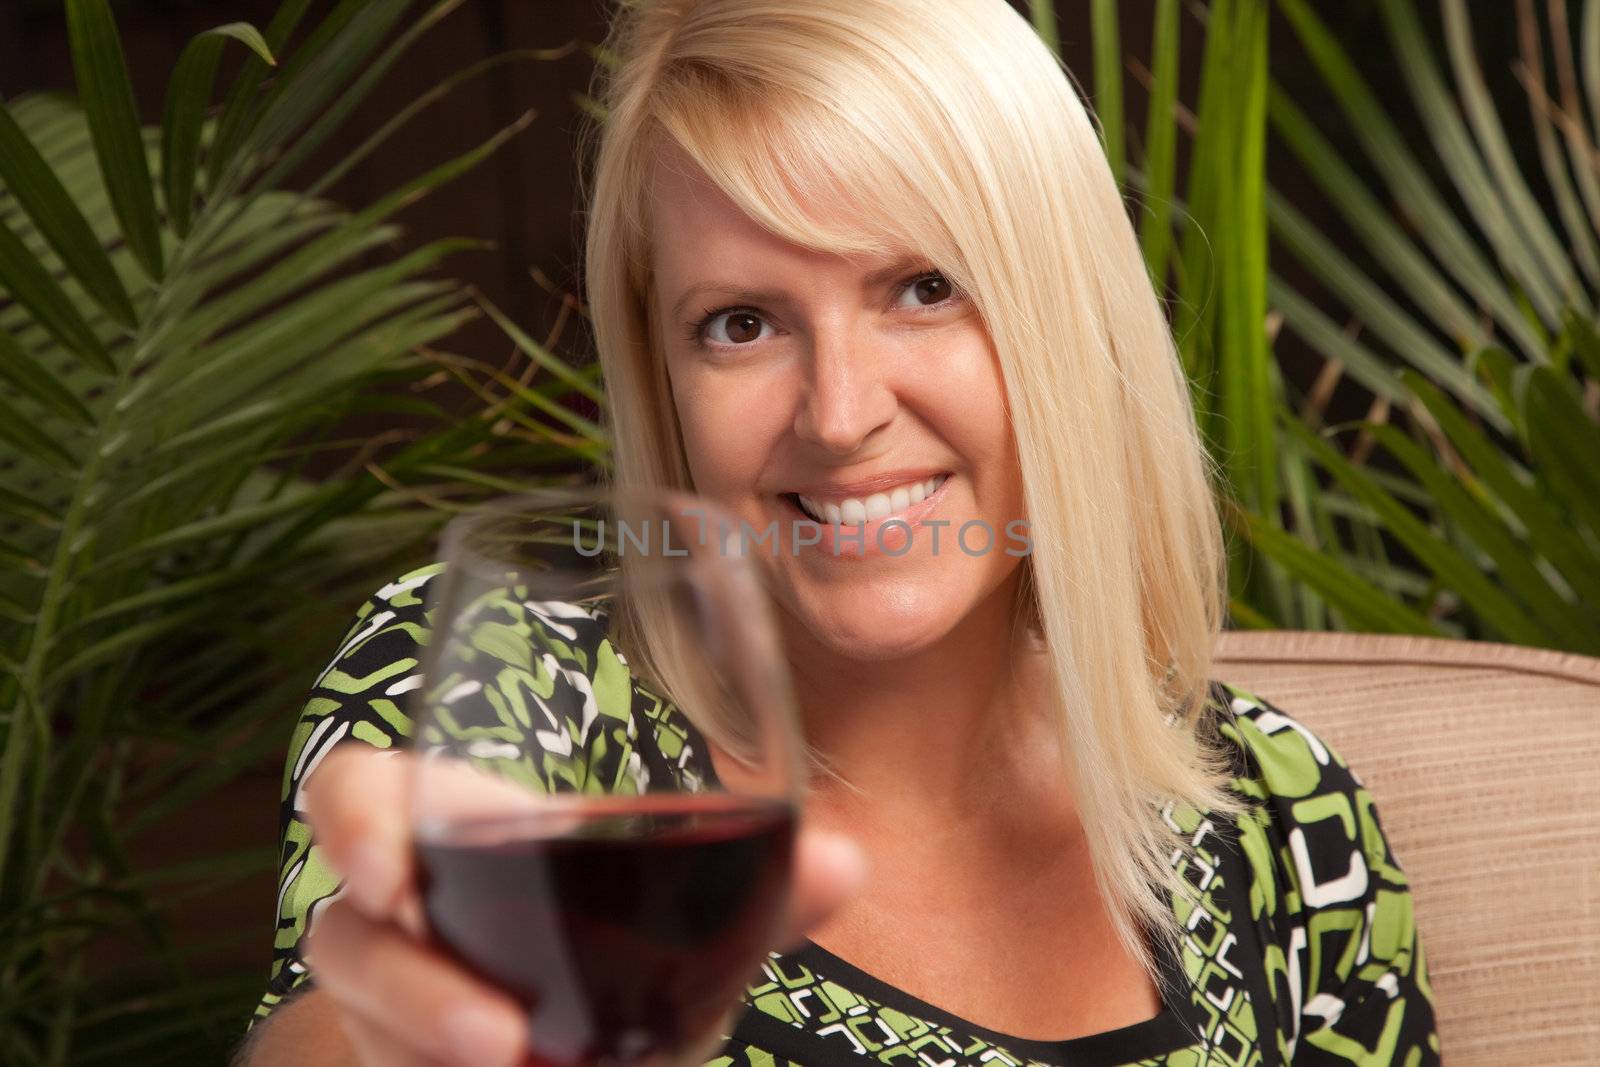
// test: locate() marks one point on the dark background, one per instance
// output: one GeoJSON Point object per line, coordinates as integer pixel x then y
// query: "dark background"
{"type": "Point", "coordinates": [524, 197]}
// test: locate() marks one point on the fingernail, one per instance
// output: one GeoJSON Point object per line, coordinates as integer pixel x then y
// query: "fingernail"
{"type": "Point", "coordinates": [373, 876]}
{"type": "Point", "coordinates": [482, 1037]}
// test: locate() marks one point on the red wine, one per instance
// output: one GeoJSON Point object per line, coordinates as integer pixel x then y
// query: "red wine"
{"type": "Point", "coordinates": [626, 927]}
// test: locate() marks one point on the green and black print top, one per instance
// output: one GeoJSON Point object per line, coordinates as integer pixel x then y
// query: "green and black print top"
{"type": "Point", "coordinates": [1303, 950]}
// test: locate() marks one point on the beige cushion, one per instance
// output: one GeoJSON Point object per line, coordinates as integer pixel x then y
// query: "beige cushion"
{"type": "Point", "coordinates": [1484, 763]}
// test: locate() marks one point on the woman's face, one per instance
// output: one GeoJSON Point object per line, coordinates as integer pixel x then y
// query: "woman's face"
{"type": "Point", "coordinates": [810, 385]}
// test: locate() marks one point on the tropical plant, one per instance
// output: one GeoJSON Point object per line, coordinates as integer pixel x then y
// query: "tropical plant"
{"type": "Point", "coordinates": [1480, 519]}
{"type": "Point", "coordinates": [1478, 334]}
{"type": "Point", "coordinates": [180, 335]}
{"type": "Point", "coordinates": [1206, 250]}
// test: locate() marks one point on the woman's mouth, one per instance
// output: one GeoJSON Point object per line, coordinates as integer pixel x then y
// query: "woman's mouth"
{"type": "Point", "coordinates": [859, 527]}
{"type": "Point", "coordinates": [852, 510]}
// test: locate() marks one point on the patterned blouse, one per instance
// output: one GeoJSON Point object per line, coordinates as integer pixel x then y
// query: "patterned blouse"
{"type": "Point", "coordinates": [1303, 950]}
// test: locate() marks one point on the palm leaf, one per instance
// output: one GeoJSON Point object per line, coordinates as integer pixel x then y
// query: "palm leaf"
{"type": "Point", "coordinates": [1107, 39]}
{"type": "Point", "coordinates": [188, 93]}
{"type": "Point", "coordinates": [1490, 602]}
{"type": "Point", "coordinates": [50, 208]}
{"type": "Point", "coordinates": [27, 281]}
{"type": "Point", "coordinates": [1546, 528]}
{"type": "Point", "coordinates": [1381, 314]}
{"type": "Point", "coordinates": [154, 371]}
{"type": "Point", "coordinates": [1578, 228]}
{"type": "Point", "coordinates": [1524, 216]}
{"type": "Point", "coordinates": [1425, 207]}
{"type": "Point", "coordinates": [1362, 604]}
{"type": "Point", "coordinates": [243, 103]}
{"type": "Point", "coordinates": [1160, 144]}
{"type": "Point", "coordinates": [1496, 337]}
{"type": "Point", "coordinates": [114, 124]}
{"type": "Point", "coordinates": [1564, 624]}
{"type": "Point", "coordinates": [1564, 444]}
{"type": "Point", "coordinates": [1043, 13]}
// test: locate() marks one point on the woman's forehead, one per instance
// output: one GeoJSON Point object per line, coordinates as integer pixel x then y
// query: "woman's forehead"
{"type": "Point", "coordinates": [683, 198]}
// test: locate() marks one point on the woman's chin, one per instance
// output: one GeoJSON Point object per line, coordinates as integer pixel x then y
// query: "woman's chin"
{"type": "Point", "coordinates": [878, 629]}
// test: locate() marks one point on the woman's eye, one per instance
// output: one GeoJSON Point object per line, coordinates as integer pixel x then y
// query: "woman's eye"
{"type": "Point", "coordinates": [926, 291]}
{"type": "Point", "coordinates": [735, 327]}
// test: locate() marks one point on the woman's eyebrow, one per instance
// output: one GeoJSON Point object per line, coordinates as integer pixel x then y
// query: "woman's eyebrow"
{"type": "Point", "coordinates": [744, 294]}
{"type": "Point", "coordinates": [736, 293]}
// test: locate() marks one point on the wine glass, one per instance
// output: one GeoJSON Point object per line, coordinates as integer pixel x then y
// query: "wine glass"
{"type": "Point", "coordinates": [605, 799]}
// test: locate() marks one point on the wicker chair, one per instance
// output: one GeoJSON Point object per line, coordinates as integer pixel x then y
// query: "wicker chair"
{"type": "Point", "coordinates": [1484, 761]}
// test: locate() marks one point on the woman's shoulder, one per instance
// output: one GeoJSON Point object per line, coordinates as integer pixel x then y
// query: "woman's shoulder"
{"type": "Point", "coordinates": [389, 626]}
{"type": "Point", "coordinates": [1275, 751]}
{"type": "Point", "coordinates": [397, 622]}
{"type": "Point", "coordinates": [1302, 791]}
{"type": "Point", "coordinates": [542, 670]}
{"type": "Point", "coordinates": [1312, 835]}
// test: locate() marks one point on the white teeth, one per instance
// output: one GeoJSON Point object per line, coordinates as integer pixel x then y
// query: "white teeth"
{"type": "Point", "coordinates": [854, 510]}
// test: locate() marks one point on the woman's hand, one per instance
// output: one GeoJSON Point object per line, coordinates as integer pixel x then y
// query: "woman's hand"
{"type": "Point", "coordinates": [397, 1000]}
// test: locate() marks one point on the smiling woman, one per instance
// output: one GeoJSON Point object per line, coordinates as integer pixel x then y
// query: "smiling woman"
{"type": "Point", "coordinates": [860, 274]}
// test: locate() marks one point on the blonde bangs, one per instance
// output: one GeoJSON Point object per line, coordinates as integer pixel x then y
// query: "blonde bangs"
{"type": "Point", "coordinates": [807, 175]}
{"type": "Point", "coordinates": [823, 174]}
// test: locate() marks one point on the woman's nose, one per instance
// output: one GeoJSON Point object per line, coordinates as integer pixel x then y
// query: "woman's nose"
{"type": "Point", "coordinates": [847, 392]}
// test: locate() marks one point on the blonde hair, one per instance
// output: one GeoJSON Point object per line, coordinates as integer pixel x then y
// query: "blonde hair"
{"type": "Point", "coordinates": [958, 134]}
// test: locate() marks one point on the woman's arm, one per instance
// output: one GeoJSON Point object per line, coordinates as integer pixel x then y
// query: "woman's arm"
{"type": "Point", "coordinates": [1351, 979]}
{"type": "Point", "coordinates": [344, 883]}
{"type": "Point", "coordinates": [1371, 1003]}
{"type": "Point", "coordinates": [381, 996]}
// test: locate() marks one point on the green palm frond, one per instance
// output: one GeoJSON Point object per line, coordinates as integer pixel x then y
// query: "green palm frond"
{"type": "Point", "coordinates": [178, 333]}
{"type": "Point", "coordinates": [1475, 337]}
{"type": "Point", "coordinates": [1479, 328]}
{"type": "Point", "coordinates": [1509, 529]}
{"type": "Point", "coordinates": [1212, 243]}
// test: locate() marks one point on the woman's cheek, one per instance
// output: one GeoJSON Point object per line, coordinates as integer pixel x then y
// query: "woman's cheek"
{"type": "Point", "coordinates": [727, 428]}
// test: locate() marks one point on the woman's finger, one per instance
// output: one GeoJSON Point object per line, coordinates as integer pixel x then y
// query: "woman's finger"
{"type": "Point", "coordinates": [358, 800]}
{"type": "Point", "coordinates": [395, 984]}
{"type": "Point", "coordinates": [356, 803]}
{"type": "Point", "coordinates": [829, 869]}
